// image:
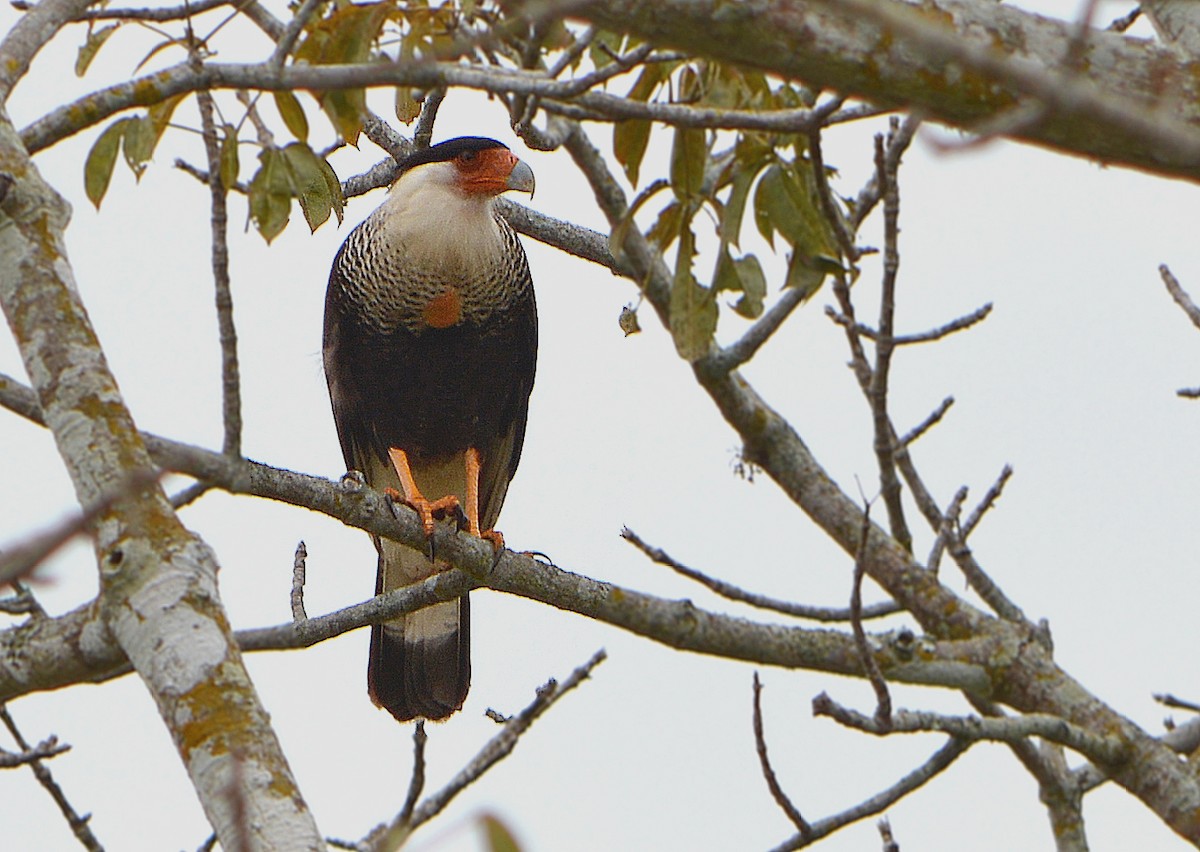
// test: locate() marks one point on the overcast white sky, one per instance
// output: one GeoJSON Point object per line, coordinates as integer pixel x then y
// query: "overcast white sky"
{"type": "Point", "coordinates": [1071, 380]}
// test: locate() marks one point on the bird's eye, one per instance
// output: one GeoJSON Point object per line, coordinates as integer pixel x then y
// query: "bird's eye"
{"type": "Point", "coordinates": [467, 156]}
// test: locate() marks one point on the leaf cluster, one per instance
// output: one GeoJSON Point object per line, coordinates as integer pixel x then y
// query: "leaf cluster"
{"type": "Point", "coordinates": [723, 173]}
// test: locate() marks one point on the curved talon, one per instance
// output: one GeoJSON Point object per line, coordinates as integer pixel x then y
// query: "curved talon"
{"type": "Point", "coordinates": [429, 510]}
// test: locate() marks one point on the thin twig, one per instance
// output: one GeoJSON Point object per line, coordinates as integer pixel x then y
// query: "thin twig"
{"type": "Point", "coordinates": [1104, 749]}
{"type": "Point", "coordinates": [959, 324]}
{"type": "Point", "coordinates": [745, 348]}
{"type": "Point", "coordinates": [777, 793]}
{"type": "Point", "coordinates": [931, 768]}
{"type": "Point", "coordinates": [79, 824]}
{"type": "Point", "coordinates": [496, 749]}
{"type": "Point", "coordinates": [299, 570]}
{"type": "Point", "coordinates": [1180, 295]}
{"type": "Point", "coordinates": [190, 494]}
{"type": "Point", "coordinates": [929, 422]}
{"type": "Point", "coordinates": [416, 782]}
{"type": "Point", "coordinates": [883, 699]}
{"type": "Point", "coordinates": [231, 391]}
{"type": "Point", "coordinates": [423, 132]}
{"type": "Point", "coordinates": [19, 560]}
{"type": "Point", "coordinates": [988, 501]}
{"type": "Point", "coordinates": [885, 834]}
{"type": "Point", "coordinates": [291, 32]}
{"type": "Point", "coordinates": [945, 532]}
{"type": "Point", "coordinates": [1169, 700]}
{"type": "Point", "coordinates": [887, 172]}
{"type": "Point", "coordinates": [735, 593]}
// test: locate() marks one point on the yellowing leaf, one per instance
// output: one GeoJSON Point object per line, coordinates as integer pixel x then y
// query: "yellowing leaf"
{"type": "Point", "coordinates": [98, 167]}
{"type": "Point", "coordinates": [407, 108]}
{"type": "Point", "coordinates": [89, 49]}
{"type": "Point", "coordinates": [689, 153]}
{"type": "Point", "coordinates": [292, 114]}
{"type": "Point", "coordinates": [630, 138]}
{"type": "Point", "coordinates": [344, 36]}
{"type": "Point", "coordinates": [499, 838]}
{"type": "Point", "coordinates": [692, 308]}
{"type": "Point", "coordinates": [139, 142]}
{"type": "Point", "coordinates": [270, 195]}
{"type": "Point", "coordinates": [230, 166]}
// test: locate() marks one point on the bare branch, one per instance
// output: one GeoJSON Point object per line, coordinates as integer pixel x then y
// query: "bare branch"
{"type": "Point", "coordinates": [1180, 295]}
{"type": "Point", "coordinates": [498, 748]}
{"type": "Point", "coordinates": [760, 745]}
{"type": "Point", "coordinates": [734, 593]}
{"type": "Point", "coordinates": [299, 569]}
{"type": "Point", "coordinates": [885, 834]}
{"type": "Point", "coordinates": [988, 501]}
{"type": "Point", "coordinates": [1007, 729]}
{"type": "Point", "coordinates": [79, 824]}
{"type": "Point", "coordinates": [887, 174]}
{"type": "Point", "coordinates": [928, 423]}
{"type": "Point", "coordinates": [747, 346]}
{"type": "Point", "coordinates": [935, 765]}
{"type": "Point", "coordinates": [231, 391]}
{"type": "Point", "coordinates": [417, 782]}
{"type": "Point", "coordinates": [291, 32]}
{"type": "Point", "coordinates": [883, 699]}
{"type": "Point", "coordinates": [963, 322]}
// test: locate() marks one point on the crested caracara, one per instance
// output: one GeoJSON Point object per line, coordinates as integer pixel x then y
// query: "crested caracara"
{"type": "Point", "coordinates": [430, 346]}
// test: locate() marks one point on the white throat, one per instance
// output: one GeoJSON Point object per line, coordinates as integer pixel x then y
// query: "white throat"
{"type": "Point", "coordinates": [433, 223]}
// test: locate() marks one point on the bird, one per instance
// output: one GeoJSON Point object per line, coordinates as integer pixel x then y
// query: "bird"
{"type": "Point", "coordinates": [430, 351]}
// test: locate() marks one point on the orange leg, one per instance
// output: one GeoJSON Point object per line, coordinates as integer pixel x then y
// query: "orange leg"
{"type": "Point", "coordinates": [473, 467]}
{"type": "Point", "coordinates": [413, 497]}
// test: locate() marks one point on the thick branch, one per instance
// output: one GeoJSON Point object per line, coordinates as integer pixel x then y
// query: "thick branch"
{"type": "Point", "coordinates": [959, 61]}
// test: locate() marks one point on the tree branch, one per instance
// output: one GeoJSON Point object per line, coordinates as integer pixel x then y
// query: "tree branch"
{"type": "Point", "coordinates": [960, 62]}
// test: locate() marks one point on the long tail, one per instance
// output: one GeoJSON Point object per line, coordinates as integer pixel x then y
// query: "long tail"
{"type": "Point", "coordinates": [420, 663]}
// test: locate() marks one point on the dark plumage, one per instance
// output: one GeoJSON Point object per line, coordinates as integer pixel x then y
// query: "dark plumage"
{"type": "Point", "coordinates": [430, 348]}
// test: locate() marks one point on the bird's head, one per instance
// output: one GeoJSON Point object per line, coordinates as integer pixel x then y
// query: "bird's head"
{"type": "Point", "coordinates": [472, 165]}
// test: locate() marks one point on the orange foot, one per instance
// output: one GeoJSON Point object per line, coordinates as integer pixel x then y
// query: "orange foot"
{"type": "Point", "coordinates": [429, 510]}
{"type": "Point", "coordinates": [495, 537]}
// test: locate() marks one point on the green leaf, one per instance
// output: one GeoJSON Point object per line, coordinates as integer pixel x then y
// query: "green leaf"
{"type": "Point", "coordinates": [689, 153]}
{"type": "Point", "coordinates": [803, 275]}
{"type": "Point", "coordinates": [754, 287]}
{"type": "Point", "coordinates": [98, 167]}
{"type": "Point", "coordinates": [292, 114]}
{"type": "Point", "coordinates": [270, 194]}
{"type": "Point", "coordinates": [230, 166]}
{"type": "Point", "coordinates": [693, 307]}
{"type": "Point", "coordinates": [667, 226]}
{"type": "Point", "coordinates": [89, 49]}
{"type": "Point", "coordinates": [743, 275]}
{"type": "Point", "coordinates": [730, 225]}
{"type": "Point", "coordinates": [140, 139]}
{"type": "Point", "coordinates": [766, 200]}
{"type": "Point", "coordinates": [312, 182]}
{"type": "Point", "coordinates": [498, 836]}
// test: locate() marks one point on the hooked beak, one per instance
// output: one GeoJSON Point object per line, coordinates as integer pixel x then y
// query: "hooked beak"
{"type": "Point", "coordinates": [521, 178]}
